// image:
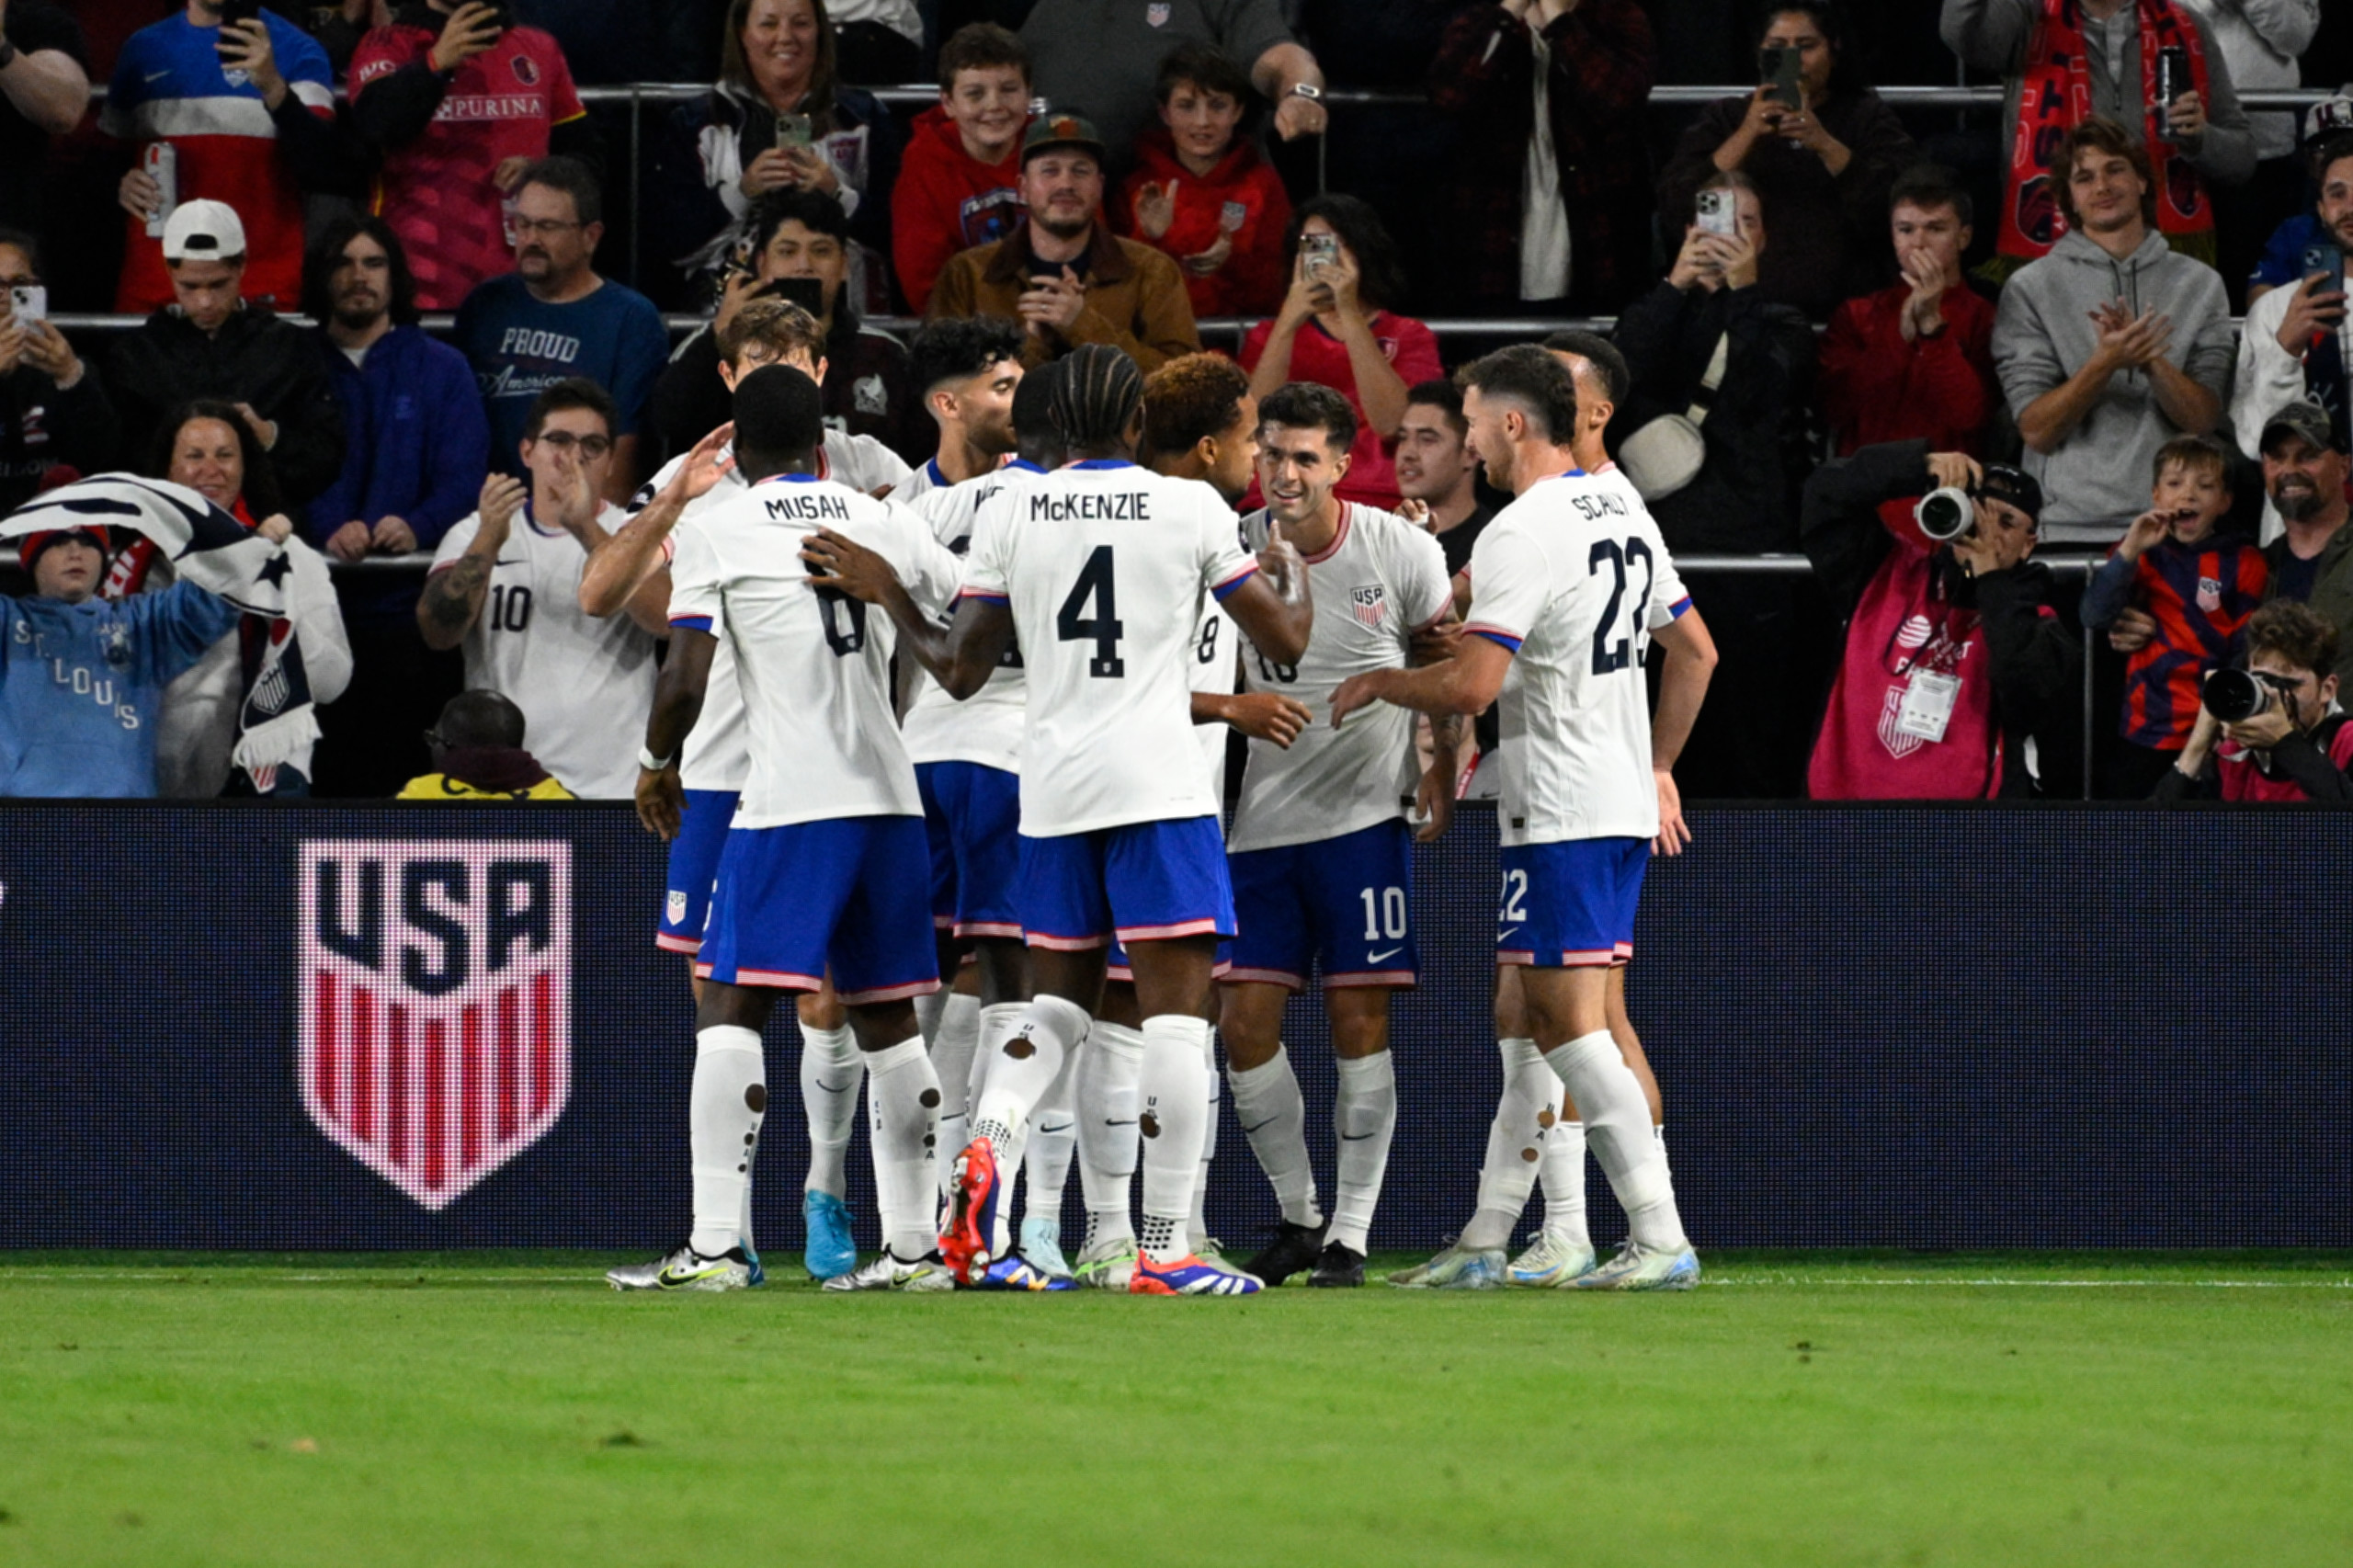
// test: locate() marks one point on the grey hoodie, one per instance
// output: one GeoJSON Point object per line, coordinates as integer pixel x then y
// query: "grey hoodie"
{"type": "Point", "coordinates": [2098, 479]}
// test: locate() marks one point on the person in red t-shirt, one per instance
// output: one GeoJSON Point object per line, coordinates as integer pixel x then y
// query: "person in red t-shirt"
{"type": "Point", "coordinates": [1914, 361]}
{"type": "Point", "coordinates": [459, 105]}
{"type": "Point", "coordinates": [1335, 328]}
{"type": "Point", "coordinates": [959, 183]}
{"type": "Point", "coordinates": [2296, 748]}
{"type": "Point", "coordinates": [1201, 191]}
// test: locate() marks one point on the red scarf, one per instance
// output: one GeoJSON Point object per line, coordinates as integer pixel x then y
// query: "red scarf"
{"type": "Point", "coordinates": [2055, 95]}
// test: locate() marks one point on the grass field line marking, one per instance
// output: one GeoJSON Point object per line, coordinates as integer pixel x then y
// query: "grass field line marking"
{"type": "Point", "coordinates": [2053, 1284]}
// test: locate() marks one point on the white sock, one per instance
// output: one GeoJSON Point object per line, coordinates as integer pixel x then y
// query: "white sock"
{"type": "Point", "coordinates": [1199, 1224]}
{"type": "Point", "coordinates": [1274, 1117]}
{"type": "Point", "coordinates": [1105, 1090]}
{"type": "Point", "coordinates": [729, 1100]}
{"type": "Point", "coordinates": [929, 1009]}
{"type": "Point", "coordinates": [1563, 1172]}
{"type": "Point", "coordinates": [1618, 1125]}
{"type": "Point", "coordinates": [903, 1103]}
{"type": "Point", "coordinates": [1365, 1115]}
{"type": "Point", "coordinates": [1053, 1139]}
{"type": "Point", "coordinates": [1172, 1097]}
{"type": "Point", "coordinates": [951, 1058]}
{"type": "Point", "coordinates": [1018, 1072]}
{"type": "Point", "coordinates": [998, 1020]}
{"type": "Point", "coordinates": [1515, 1144]}
{"type": "Point", "coordinates": [831, 1068]}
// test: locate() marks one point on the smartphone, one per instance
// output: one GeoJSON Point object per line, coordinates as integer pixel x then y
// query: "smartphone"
{"type": "Point", "coordinates": [29, 303]}
{"type": "Point", "coordinates": [2328, 261]}
{"type": "Point", "coordinates": [809, 293]}
{"type": "Point", "coordinates": [1319, 252]}
{"type": "Point", "coordinates": [792, 131]}
{"type": "Point", "coordinates": [500, 13]}
{"type": "Point", "coordinates": [1714, 212]}
{"type": "Point", "coordinates": [235, 11]}
{"type": "Point", "coordinates": [1778, 68]}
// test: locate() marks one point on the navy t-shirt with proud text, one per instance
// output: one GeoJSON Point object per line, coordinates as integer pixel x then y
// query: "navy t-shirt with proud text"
{"type": "Point", "coordinates": [519, 346]}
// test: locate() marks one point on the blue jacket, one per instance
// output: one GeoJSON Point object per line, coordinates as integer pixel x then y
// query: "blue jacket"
{"type": "Point", "coordinates": [417, 444]}
{"type": "Point", "coordinates": [80, 683]}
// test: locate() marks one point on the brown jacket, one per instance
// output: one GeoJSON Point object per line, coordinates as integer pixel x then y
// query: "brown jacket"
{"type": "Point", "coordinates": [1135, 298]}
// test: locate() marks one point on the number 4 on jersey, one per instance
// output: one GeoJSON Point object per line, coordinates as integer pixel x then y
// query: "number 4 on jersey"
{"type": "Point", "coordinates": [1072, 623]}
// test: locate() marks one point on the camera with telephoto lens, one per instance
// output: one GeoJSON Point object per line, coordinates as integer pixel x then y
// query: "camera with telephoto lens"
{"type": "Point", "coordinates": [1946, 514]}
{"type": "Point", "coordinates": [2236, 696]}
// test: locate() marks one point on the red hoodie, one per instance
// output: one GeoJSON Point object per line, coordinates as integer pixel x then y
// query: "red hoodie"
{"type": "Point", "coordinates": [1242, 197]}
{"type": "Point", "coordinates": [947, 201]}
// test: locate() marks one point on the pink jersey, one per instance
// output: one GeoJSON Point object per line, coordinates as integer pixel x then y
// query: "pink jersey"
{"type": "Point", "coordinates": [438, 192]}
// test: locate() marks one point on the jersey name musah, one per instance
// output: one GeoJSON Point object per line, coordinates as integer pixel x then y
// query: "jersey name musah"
{"type": "Point", "coordinates": [807, 509]}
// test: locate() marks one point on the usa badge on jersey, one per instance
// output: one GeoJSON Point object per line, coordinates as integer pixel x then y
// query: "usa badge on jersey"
{"type": "Point", "coordinates": [1370, 603]}
{"type": "Point", "coordinates": [434, 1040]}
{"type": "Point", "coordinates": [1232, 216]}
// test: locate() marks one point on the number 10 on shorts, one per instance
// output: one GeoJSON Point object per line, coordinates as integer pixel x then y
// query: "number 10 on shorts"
{"type": "Point", "coordinates": [1384, 914]}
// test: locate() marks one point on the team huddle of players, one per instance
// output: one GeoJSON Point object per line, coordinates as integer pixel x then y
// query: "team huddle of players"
{"type": "Point", "coordinates": [976, 730]}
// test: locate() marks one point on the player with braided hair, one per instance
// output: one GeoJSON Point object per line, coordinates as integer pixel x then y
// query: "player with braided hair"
{"type": "Point", "coordinates": [1100, 570]}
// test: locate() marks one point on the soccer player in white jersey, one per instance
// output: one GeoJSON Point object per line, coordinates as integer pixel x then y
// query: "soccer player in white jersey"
{"type": "Point", "coordinates": [1099, 571]}
{"type": "Point", "coordinates": [824, 867]}
{"type": "Point", "coordinates": [1563, 583]}
{"type": "Point", "coordinates": [1200, 423]}
{"type": "Point", "coordinates": [1321, 851]}
{"type": "Point", "coordinates": [1536, 1133]}
{"type": "Point", "coordinates": [717, 758]}
{"type": "Point", "coordinates": [966, 379]}
{"type": "Point", "coordinates": [505, 583]}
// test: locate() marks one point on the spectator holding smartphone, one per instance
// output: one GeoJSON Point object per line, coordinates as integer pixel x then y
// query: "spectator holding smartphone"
{"type": "Point", "coordinates": [2296, 745]}
{"type": "Point", "coordinates": [778, 119]}
{"type": "Point", "coordinates": [2198, 589]}
{"type": "Point", "coordinates": [2068, 61]}
{"type": "Point", "coordinates": [1824, 165]}
{"type": "Point", "coordinates": [53, 408]}
{"type": "Point", "coordinates": [240, 112]}
{"type": "Point", "coordinates": [459, 103]}
{"type": "Point", "coordinates": [1336, 327]}
{"type": "Point", "coordinates": [961, 183]}
{"type": "Point", "coordinates": [2297, 343]}
{"type": "Point", "coordinates": [1202, 192]}
{"type": "Point", "coordinates": [2328, 136]}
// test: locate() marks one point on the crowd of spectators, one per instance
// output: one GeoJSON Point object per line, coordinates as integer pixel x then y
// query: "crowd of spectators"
{"type": "Point", "coordinates": [1814, 309]}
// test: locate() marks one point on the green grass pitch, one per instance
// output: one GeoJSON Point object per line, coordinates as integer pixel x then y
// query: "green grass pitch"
{"type": "Point", "coordinates": [1801, 1409]}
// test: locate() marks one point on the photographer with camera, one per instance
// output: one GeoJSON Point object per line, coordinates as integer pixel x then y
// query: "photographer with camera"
{"type": "Point", "coordinates": [1958, 680]}
{"type": "Point", "coordinates": [2270, 734]}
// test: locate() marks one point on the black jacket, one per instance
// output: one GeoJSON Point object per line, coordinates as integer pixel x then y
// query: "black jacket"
{"type": "Point", "coordinates": [40, 427]}
{"type": "Point", "coordinates": [869, 390]}
{"type": "Point", "coordinates": [254, 359]}
{"type": "Point", "coordinates": [1742, 503]}
{"type": "Point", "coordinates": [2036, 660]}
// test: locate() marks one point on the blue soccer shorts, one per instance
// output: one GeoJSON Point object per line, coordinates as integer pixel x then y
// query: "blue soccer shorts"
{"type": "Point", "coordinates": [1570, 905]}
{"type": "Point", "coordinates": [694, 866]}
{"type": "Point", "coordinates": [972, 814]}
{"type": "Point", "coordinates": [1139, 882]}
{"type": "Point", "coordinates": [847, 891]}
{"type": "Point", "coordinates": [1345, 902]}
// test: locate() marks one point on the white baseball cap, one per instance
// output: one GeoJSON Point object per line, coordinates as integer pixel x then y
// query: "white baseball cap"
{"type": "Point", "coordinates": [203, 231]}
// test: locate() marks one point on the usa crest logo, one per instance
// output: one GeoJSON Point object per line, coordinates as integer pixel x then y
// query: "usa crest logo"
{"type": "Point", "coordinates": [435, 1042]}
{"type": "Point", "coordinates": [1370, 603]}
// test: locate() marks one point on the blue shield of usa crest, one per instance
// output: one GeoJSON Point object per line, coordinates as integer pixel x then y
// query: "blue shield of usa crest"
{"type": "Point", "coordinates": [434, 1040]}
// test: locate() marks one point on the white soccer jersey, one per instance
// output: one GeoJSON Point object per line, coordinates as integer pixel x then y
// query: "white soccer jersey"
{"type": "Point", "coordinates": [1215, 636]}
{"type": "Point", "coordinates": [718, 752]}
{"type": "Point", "coordinates": [1572, 576]}
{"type": "Point", "coordinates": [585, 685]}
{"type": "Point", "coordinates": [1105, 566]}
{"type": "Point", "coordinates": [814, 668]}
{"type": "Point", "coordinates": [1379, 580]}
{"type": "Point", "coordinates": [986, 727]}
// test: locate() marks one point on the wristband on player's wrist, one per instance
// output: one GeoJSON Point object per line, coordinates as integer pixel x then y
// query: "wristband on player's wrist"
{"type": "Point", "coordinates": [652, 764]}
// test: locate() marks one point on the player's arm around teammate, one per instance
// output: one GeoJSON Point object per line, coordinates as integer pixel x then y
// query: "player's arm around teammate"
{"type": "Point", "coordinates": [626, 560]}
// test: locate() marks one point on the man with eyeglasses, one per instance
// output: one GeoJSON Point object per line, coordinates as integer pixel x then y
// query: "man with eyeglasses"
{"type": "Point", "coordinates": [52, 409]}
{"type": "Point", "coordinates": [505, 586]}
{"type": "Point", "coordinates": [555, 318]}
